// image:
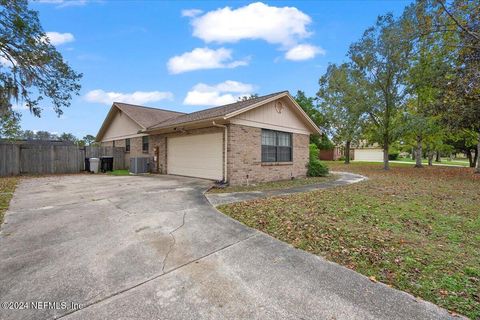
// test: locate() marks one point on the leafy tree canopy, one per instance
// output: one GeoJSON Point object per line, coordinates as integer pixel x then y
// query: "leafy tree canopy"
{"type": "Point", "coordinates": [31, 69]}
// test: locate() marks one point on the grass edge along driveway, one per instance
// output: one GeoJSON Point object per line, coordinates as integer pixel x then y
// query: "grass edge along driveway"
{"type": "Point", "coordinates": [413, 229]}
{"type": "Point", "coordinates": [275, 185]}
{"type": "Point", "coordinates": [7, 188]}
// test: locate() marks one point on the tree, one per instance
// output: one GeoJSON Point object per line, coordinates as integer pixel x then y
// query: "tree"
{"type": "Point", "coordinates": [343, 100]}
{"type": "Point", "coordinates": [89, 139]}
{"type": "Point", "coordinates": [28, 135]}
{"type": "Point", "coordinates": [465, 141]}
{"type": "Point", "coordinates": [10, 125]}
{"type": "Point", "coordinates": [31, 69]}
{"type": "Point", "coordinates": [456, 26]}
{"type": "Point", "coordinates": [308, 105]}
{"type": "Point", "coordinates": [68, 137]}
{"type": "Point", "coordinates": [249, 97]}
{"type": "Point", "coordinates": [381, 56]}
{"type": "Point", "coordinates": [461, 109]}
{"type": "Point", "coordinates": [45, 135]}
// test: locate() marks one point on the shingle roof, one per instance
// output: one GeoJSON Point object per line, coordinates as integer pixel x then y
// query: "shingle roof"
{"type": "Point", "coordinates": [146, 116]}
{"type": "Point", "coordinates": [212, 112]}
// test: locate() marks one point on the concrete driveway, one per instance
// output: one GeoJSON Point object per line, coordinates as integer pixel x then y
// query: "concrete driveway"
{"type": "Point", "coordinates": [154, 248]}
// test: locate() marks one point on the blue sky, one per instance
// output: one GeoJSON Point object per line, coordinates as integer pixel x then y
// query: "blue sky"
{"type": "Point", "coordinates": [186, 56]}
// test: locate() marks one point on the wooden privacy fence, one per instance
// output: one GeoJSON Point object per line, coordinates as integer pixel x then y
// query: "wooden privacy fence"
{"type": "Point", "coordinates": [47, 158]}
{"type": "Point", "coordinates": [118, 154]}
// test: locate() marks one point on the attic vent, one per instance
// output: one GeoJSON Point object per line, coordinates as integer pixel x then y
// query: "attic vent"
{"type": "Point", "coordinates": [278, 106]}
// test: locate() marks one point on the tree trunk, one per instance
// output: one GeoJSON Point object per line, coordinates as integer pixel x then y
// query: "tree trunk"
{"type": "Point", "coordinates": [418, 157]}
{"type": "Point", "coordinates": [430, 158]}
{"type": "Point", "coordinates": [474, 158]}
{"type": "Point", "coordinates": [470, 158]}
{"type": "Point", "coordinates": [347, 152]}
{"type": "Point", "coordinates": [386, 165]}
{"type": "Point", "coordinates": [477, 168]}
{"type": "Point", "coordinates": [437, 157]}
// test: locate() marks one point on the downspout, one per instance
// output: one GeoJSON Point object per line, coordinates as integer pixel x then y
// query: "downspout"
{"type": "Point", "coordinates": [225, 135]}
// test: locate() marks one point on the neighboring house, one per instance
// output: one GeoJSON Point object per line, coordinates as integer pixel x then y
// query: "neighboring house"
{"type": "Point", "coordinates": [368, 152]}
{"type": "Point", "coordinates": [333, 154]}
{"type": "Point", "coordinates": [260, 139]}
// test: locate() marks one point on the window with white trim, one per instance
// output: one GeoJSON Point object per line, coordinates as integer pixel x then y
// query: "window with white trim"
{"type": "Point", "coordinates": [276, 146]}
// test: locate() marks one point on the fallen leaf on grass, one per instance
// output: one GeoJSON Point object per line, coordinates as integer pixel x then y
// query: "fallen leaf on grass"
{"type": "Point", "coordinates": [373, 279]}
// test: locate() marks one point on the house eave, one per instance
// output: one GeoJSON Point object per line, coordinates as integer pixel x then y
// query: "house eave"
{"type": "Point", "coordinates": [204, 123]}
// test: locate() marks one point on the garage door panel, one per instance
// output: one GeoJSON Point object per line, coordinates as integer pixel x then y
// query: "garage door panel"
{"type": "Point", "coordinates": [196, 155]}
{"type": "Point", "coordinates": [368, 155]}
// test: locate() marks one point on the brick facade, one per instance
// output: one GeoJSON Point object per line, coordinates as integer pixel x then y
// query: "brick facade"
{"type": "Point", "coordinates": [245, 157]}
{"type": "Point", "coordinates": [135, 148]}
{"type": "Point", "coordinates": [243, 150]}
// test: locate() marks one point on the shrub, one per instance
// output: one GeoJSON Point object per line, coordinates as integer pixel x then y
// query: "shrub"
{"type": "Point", "coordinates": [393, 155]}
{"type": "Point", "coordinates": [315, 167]}
{"type": "Point", "coordinates": [314, 151]}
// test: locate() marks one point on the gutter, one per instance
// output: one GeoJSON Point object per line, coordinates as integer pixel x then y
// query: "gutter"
{"type": "Point", "coordinates": [225, 133]}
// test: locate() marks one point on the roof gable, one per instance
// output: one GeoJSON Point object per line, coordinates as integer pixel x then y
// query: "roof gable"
{"type": "Point", "coordinates": [146, 116]}
{"type": "Point", "coordinates": [120, 126]}
{"type": "Point", "coordinates": [142, 116]}
{"type": "Point", "coordinates": [279, 114]}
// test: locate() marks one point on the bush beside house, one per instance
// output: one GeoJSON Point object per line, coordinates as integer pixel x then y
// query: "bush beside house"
{"type": "Point", "coordinates": [315, 167]}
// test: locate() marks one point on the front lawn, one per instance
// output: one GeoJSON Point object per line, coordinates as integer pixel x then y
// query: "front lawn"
{"type": "Point", "coordinates": [7, 187]}
{"type": "Point", "coordinates": [414, 229]}
{"type": "Point", "coordinates": [274, 185]}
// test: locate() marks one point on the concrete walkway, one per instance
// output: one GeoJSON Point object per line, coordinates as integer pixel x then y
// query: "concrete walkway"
{"type": "Point", "coordinates": [344, 178]}
{"type": "Point", "coordinates": [136, 247]}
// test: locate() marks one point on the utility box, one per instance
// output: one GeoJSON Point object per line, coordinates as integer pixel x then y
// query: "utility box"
{"type": "Point", "coordinates": [140, 165]}
{"type": "Point", "coordinates": [106, 164]}
{"type": "Point", "coordinates": [87, 164]}
{"type": "Point", "coordinates": [94, 165]}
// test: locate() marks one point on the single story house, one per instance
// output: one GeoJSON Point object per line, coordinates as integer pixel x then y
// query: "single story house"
{"type": "Point", "coordinates": [260, 139]}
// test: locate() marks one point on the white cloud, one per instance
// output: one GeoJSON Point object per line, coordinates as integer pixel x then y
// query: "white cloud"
{"type": "Point", "coordinates": [137, 97]}
{"type": "Point", "coordinates": [203, 58]}
{"type": "Point", "coordinates": [303, 52]}
{"type": "Point", "coordinates": [278, 25]}
{"type": "Point", "coordinates": [215, 95]}
{"type": "Point", "coordinates": [57, 38]}
{"type": "Point", "coordinates": [65, 3]}
{"type": "Point", "coordinates": [191, 13]}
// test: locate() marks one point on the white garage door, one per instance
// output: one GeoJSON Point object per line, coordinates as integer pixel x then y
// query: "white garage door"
{"type": "Point", "coordinates": [368, 154]}
{"type": "Point", "coordinates": [198, 155]}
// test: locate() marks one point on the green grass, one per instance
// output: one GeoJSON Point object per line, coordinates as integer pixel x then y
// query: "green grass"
{"type": "Point", "coordinates": [444, 161]}
{"type": "Point", "coordinates": [274, 185]}
{"type": "Point", "coordinates": [414, 229]}
{"type": "Point", "coordinates": [122, 172]}
{"type": "Point", "coordinates": [7, 187]}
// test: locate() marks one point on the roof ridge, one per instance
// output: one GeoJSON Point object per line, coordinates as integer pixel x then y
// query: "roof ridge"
{"type": "Point", "coordinates": [222, 106]}
{"type": "Point", "coordinates": [145, 107]}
